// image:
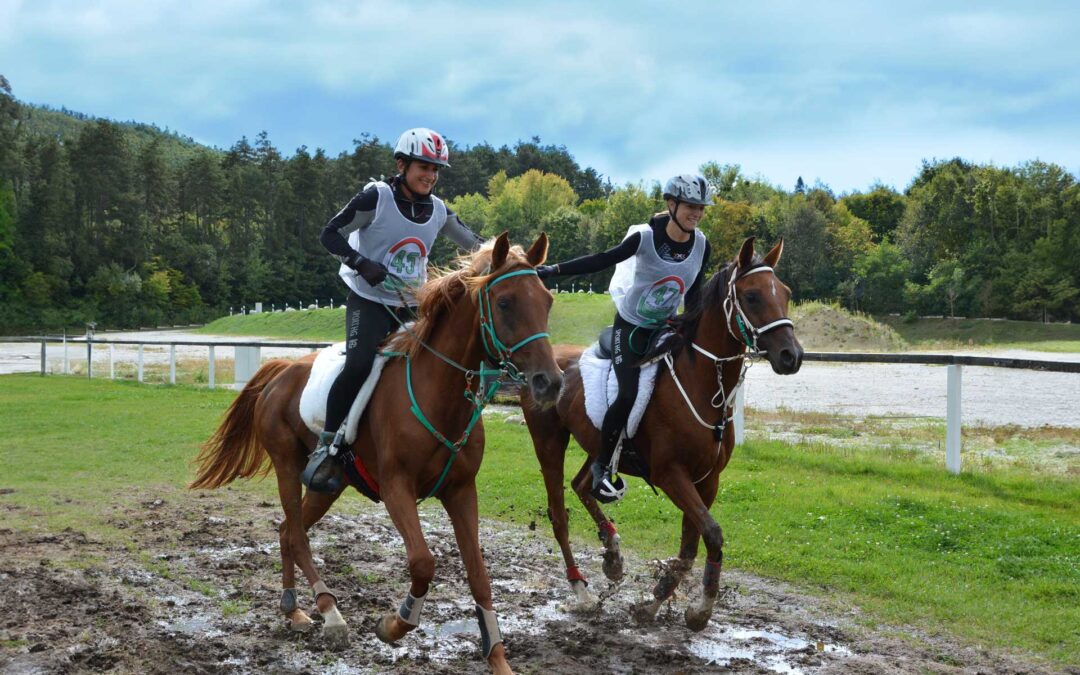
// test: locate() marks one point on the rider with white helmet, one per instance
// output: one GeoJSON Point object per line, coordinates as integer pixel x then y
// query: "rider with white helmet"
{"type": "Point", "coordinates": [387, 228]}
{"type": "Point", "coordinates": [658, 265]}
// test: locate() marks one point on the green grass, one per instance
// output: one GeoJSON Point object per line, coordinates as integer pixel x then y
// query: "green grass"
{"type": "Point", "coordinates": [309, 324]}
{"type": "Point", "coordinates": [953, 333]}
{"type": "Point", "coordinates": [990, 556]}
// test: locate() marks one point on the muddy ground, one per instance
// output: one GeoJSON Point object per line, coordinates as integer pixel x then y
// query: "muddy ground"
{"type": "Point", "coordinates": [195, 587]}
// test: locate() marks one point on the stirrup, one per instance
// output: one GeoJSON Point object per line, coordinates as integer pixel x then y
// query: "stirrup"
{"type": "Point", "coordinates": [606, 488]}
{"type": "Point", "coordinates": [323, 472]}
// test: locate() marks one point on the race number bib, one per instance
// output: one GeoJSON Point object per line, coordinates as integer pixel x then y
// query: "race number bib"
{"type": "Point", "coordinates": [662, 299]}
{"type": "Point", "coordinates": [406, 260]}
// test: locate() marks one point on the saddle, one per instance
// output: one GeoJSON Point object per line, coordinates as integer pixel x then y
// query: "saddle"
{"type": "Point", "coordinates": [601, 388]}
{"type": "Point", "coordinates": [328, 364]}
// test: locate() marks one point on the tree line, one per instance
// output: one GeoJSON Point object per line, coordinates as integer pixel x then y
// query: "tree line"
{"type": "Point", "coordinates": [100, 223]}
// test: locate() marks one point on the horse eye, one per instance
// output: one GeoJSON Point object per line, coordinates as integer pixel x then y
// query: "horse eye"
{"type": "Point", "coordinates": [752, 297]}
{"type": "Point", "coordinates": [503, 303]}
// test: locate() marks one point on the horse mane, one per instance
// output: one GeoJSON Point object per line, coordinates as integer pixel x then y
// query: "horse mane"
{"type": "Point", "coordinates": [686, 324]}
{"type": "Point", "coordinates": [466, 276]}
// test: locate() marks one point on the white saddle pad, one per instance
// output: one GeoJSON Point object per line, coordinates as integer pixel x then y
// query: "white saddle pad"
{"type": "Point", "coordinates": [601, 388]}
{"type": "Point", "coordinates": [324, 371]}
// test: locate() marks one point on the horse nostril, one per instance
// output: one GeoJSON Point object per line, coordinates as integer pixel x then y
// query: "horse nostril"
{"type": "Point", "coordinates": [540, 382]}
{"type": "Point", "coordinates": [787, 358]}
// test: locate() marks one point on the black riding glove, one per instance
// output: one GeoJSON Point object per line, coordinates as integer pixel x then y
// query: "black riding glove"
{"type": "Point", "coordinates": [545, 271]}
{"type": "Point", "coordinates": [373, 272]}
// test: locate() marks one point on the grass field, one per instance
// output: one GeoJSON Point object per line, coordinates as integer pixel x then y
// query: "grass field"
{"type": "Point", "coordinates": [961, 333]}
{"type": "Point", "coordinates": [991, 557]}
{"type": "Point", "coordinates": [576, 318]}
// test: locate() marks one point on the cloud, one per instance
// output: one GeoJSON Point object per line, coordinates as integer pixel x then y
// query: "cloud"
{"type": "Point", "coordinates": [631, 88]}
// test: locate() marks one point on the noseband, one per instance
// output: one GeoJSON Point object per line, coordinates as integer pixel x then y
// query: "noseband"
{"type": "Point", "coordinates": [748, 331]}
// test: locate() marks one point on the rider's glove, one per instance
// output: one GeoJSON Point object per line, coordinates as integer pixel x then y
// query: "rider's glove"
{"type": "Point", "coordinates": [545, 271]}
{"type": "Point", "coordinates": [373, 272]}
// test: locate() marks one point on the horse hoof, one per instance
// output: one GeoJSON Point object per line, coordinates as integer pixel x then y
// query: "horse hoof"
{"type": "Point", "coordinates": [613, 565]}
{"type": "Point", "coordinates": [382, 629]}
{"type": "Point", "coordinates": [299, 622]}
{"type": "Point", "coordinates": [696, 620]}
{"type": "Point", "coordinates": [337, 637]}
{"type": "Point", "coordinates": [643, 612]}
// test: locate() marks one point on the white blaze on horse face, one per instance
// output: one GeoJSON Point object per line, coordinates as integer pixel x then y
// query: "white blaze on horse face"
{"type": "Point", "coordinates": [772, 282]}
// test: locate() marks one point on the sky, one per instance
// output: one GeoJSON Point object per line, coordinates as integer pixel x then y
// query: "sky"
{"type": "Point", "coordinates": [848, 93]}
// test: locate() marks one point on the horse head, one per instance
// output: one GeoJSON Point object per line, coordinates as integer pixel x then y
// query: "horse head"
{"type": "Point", "coordinates": [756, 308]}
{"type": "Point", "coordinates": [516, 304]}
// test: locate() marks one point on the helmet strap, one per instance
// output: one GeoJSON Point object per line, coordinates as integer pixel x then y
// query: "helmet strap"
{"type": "Point", "coordinates": [671, 213]}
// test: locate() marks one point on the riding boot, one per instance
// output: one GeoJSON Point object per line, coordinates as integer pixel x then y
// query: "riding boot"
{"type": "Point", "coordinates": [605, 488]}
{"type": "Point", "coordinates": [323, 472]}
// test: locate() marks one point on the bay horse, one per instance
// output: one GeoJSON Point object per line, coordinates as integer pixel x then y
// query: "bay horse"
{"type": "Point", "coordinates": [468, 316]}
{"type": "Point", "coordinates": [684, 440]}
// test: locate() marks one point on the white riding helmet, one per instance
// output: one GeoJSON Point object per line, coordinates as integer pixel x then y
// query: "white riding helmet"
{"type": "Point", "coordinates": [423, 144]}
{"type": "Point", "coordinates": [689, 188]}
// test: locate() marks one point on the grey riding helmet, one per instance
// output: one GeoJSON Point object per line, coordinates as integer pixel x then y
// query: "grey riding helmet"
{"type": "Point", "coordinates": [689, 188]}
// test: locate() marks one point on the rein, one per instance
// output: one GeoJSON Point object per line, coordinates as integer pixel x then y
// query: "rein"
{"type": "Point", "coordinates": [496, 351]}
{"type": "Point", "coordinates": [748, 339]}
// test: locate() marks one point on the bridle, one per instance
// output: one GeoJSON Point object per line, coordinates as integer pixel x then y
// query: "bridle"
{"type": "Point", "coordinates": [748, 332]}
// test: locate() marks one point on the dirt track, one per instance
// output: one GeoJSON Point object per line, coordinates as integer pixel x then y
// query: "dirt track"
{"type": "Point", "coordinates": [196, 590]}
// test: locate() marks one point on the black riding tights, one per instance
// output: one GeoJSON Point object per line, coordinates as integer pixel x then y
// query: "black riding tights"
{"type": "Point", "coordinates": [367, 323]}
{"type": "Point", "coordinates": [629, 343]}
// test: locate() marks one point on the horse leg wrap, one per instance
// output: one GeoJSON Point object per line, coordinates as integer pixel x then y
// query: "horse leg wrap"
{"type": "Point", "coordinates": [289, 601]}
{"type": "Point", "coordinates": [411, 608]}
{"type": "Point", "coordinates": [574, 574]}
{"type": "Point", "coordinates": [711, 575]}
{"type": "Point", "coordinates": [607, 532]}
{"type": "Point", "coordinates": [320, 588]}
{"type": "Point", "coordinates": [490, 635]}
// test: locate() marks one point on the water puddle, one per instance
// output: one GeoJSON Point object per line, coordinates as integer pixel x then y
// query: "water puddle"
{"type": "Point", "coordinates": [768, 648]}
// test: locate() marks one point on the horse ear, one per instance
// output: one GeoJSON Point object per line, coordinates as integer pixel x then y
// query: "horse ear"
{"type": "Point", "coordinates": [746, 253]}
{"type": "Point", "coordinates": [772, 258]}
{"type": "Point", "coordinates": [537, 253]}
{"type": "Point", "coordinates": [498, 253]}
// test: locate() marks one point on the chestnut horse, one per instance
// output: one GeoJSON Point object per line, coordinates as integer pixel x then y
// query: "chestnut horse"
{"type": "Point", "coordinates": [684, 440]}
{"type": "Point", "coordinates": [415, 414]}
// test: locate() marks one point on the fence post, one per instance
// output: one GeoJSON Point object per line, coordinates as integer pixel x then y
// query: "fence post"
{"type": "Point", "coordinates": [740, 417]}
{"type": "Point", "coordinates": [172, 364]}
{"type": "Point", "coordinates": [89, 358]}
{"type": "Point", "coordinates": [952, 422]}
{"type": "Point", "coordinates": [210, 372]}
{"type": "Point", "coordinates": [65, 353]}
{"type": "Point", "coordinates": [140, 374]}
{"type": "Point", "coordinates": [112, 364]}
{"type": "Point", "coordinates": [44, 366]}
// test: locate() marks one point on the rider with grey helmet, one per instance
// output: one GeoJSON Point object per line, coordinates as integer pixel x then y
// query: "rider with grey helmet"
{"type": "Point", "coordinates": [658, 265]}
{"type": "Point", "coordinates": [388, 228]}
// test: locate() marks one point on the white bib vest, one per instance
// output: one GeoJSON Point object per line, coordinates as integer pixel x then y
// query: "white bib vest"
{"type": "Point", "coordinates": [648, 289]}
{"type": "Point", "coordinates": [398, 243]}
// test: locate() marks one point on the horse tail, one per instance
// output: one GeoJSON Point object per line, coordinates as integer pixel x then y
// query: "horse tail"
{"type": "Point", "coordinates": [233, 451]}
